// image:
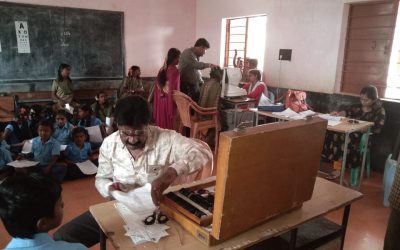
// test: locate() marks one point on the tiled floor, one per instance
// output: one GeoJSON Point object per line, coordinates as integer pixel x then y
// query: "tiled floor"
{"type": "Point", "coordinates": [366, 229]}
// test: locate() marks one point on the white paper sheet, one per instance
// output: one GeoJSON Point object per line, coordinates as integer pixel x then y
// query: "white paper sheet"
{"type": "Point", "coordinates": [27, 147]}
{"type": "Point", "coordinates": [109, 121]}
{"type": "Point", "coordinates": [87, 167]}
{"type": "Point", "coordinates": [23, 164]}
{"type": "Point", "coordinates": [138, 200]}
{"type": "Point", "coordinates": [137, 230]}
{"type": "Point", "coordinates": [69, 108]}
{"type": "Point", "coordinates": [333, 123]}
{"type": "Point", "coordinates": [95, 134]}
{"type": "Point", "coordinates": [234, 75]}
{"type": "Point", "coordinates": [330, 117]}
{"type": "Point", "coordinates": [289, 113]}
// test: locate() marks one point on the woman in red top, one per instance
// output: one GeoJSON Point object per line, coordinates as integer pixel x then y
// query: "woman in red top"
{"type": "Point", "coordinates": [255, 88]}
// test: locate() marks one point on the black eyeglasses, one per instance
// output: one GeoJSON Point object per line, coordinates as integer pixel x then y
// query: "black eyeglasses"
{"type": "Point", "coordinates": [157, 215]}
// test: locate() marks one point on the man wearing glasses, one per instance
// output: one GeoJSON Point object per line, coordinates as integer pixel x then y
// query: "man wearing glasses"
{"type": "Point", "coordinates": [134, 155]}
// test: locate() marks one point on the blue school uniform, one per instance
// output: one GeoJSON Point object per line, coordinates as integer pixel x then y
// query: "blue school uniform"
{"type": "Point", "coordinates": [5, 157]}
{"type": "Point", "coordinates": [76, 154]}
{"type": "Point", "coordinates": [94, 121]}
{"type": "Point", "coordinates": [42, 241]}
{"type": "Point", "coordinates": [43, 152]}
{"type": "Point", "coordinates": [63, 135]}
{"type": "Point", "coordinates": [18, 132]}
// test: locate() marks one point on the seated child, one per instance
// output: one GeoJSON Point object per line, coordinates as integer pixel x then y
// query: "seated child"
{"type": "Point", "coordinates": [77, 151]}
{"type": "Point", "coordinates": [102, 108]}
{"type": "Point", "coordinates": [30, 206]}
{"type": "Point", "coordinates": [87, 119]}
{"type": "Point", "coordinates": [17, 131]}
{"type": "Point", "coordinates": [62, 128]}
{"type": "Point", "coordinates": [46, 150]}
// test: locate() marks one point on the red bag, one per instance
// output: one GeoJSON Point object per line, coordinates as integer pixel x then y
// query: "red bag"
{"type": "Point", "coordinates": [296, 100]}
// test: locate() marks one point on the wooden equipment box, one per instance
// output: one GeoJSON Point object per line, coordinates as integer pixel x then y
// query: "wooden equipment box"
{"type": "Point", "coordinates": [262, 172]}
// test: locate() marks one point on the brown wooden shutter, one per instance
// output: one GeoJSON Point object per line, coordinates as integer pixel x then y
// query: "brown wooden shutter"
{"type": "Point", "coordinates": [368, 45]}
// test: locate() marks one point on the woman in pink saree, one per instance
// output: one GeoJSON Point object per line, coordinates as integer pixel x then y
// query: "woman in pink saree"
{"type": "Point", "coordinates": [168, 80]}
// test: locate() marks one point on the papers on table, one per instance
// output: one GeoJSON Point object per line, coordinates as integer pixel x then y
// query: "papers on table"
{"type": "Point", "coordinates": [27, 147]}
{"type": "Point", "coordinates": [87, 167]}
{"type": "Point", "coordinates": [332, 120]}
{"type": "Point", "coordinates": [23, 163]}
{"type": "Point", "coordinates": [95, 134]}
{"type": "Point", "coordinates": [137, 230]}
{"type": "Point", "coordinates": [289, 113]}
{"type": "Point", "coordinates": [134, 206]}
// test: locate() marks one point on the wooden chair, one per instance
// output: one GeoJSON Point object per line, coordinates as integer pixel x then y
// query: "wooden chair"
{"type": "Point", "coordinates": [196, 118]}
{"type": "Point", "coordinates": [7, 108]}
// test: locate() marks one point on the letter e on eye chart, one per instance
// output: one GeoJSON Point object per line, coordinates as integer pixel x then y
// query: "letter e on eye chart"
{"type": "Point", "coordinates": [21, 30]}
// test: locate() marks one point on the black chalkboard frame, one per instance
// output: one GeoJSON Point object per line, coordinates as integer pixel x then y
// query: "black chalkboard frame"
{"type": "Point", "coordinates": [121, 59]}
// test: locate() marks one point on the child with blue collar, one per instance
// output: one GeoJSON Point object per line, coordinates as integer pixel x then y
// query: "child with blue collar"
{"type": "Point", "coordinates": [62, 128]}
{"type": "Point", "coordinates": [78, 151]}
{"type": "Point", "coordinates": [46, 150]}
{"type": "Point", "coordinates": [30, 206]}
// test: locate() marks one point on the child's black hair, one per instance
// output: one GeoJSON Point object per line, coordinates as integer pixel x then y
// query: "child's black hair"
{"type": "Point", "coordinates": [46, 123]}
{"type": "Point", "coordinates": [24, 199]}
{"type": "Point", "coordinates": [79, 130]}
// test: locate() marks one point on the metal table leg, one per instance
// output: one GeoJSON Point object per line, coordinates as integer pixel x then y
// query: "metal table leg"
{"type": "Point", "coordinates": [346, 142]}
{"type": "Point", "coordinates": [103, 240]}
{"type": "Point", "coordinates": [293, 238]}
{"type": "Point", "coordinates": [344, 224]}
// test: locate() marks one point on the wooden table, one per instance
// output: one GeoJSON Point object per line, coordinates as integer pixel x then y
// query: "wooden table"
{"type": "Point", "coordinates": [237, 102]}
{"type": "Point", "coordinates": [344, 127]}
{"type": "Point", "coordinates": [327, 197]}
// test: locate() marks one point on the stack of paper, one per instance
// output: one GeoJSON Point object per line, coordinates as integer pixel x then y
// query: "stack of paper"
{"type": "Point", "coordinates": [134, 207]}
{"type": "Point", "coordinates": [332, 120]}
{"type": "Point", "coordinates": [289, 113]}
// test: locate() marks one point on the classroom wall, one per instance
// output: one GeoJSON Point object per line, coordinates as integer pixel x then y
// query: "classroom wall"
{"type": "Point", "coordinates": [151, 26]}
{"type": "Point", "coordinates": [313, 29]}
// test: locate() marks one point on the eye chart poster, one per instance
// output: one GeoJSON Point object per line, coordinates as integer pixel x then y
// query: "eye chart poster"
{"type": "Point", "coordinates": [21, 29]}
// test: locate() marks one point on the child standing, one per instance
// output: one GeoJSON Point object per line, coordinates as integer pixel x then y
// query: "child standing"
{"type": "Point", "coordinates": [77, 151]}
{"type": "Point", "coordinates": [30, 206]}
{"type": "Point", "coordinates": [46, 150]}
{"type": "Point", "coordinates": [62, 128]}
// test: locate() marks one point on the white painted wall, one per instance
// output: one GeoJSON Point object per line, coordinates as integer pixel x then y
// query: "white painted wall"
{"type": "Point", "coordinates": [313, 29]}
{"type": "Point", "coordinates": [151, 26]}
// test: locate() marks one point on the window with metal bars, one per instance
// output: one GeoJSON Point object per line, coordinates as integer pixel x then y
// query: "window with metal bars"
{"type": "Point", "coordinates": [244, 39]}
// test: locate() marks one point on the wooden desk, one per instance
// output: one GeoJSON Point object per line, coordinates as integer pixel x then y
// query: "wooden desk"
{"type": "Point", "coordinates": [237, 102]}
{"type": "Point", "coordinates": [344, 127]}
{"type": "Point", "coordinates": [327, 197]}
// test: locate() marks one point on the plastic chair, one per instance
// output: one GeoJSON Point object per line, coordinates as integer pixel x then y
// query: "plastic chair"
{"type": "Point", "coordinates": [196, 118]}
{"type": "Point", "coordinates": [354, 172]}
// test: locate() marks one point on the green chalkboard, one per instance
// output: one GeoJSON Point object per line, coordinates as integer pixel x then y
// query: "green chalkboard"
{"type": "Point", "coordinates": [91, 41]}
